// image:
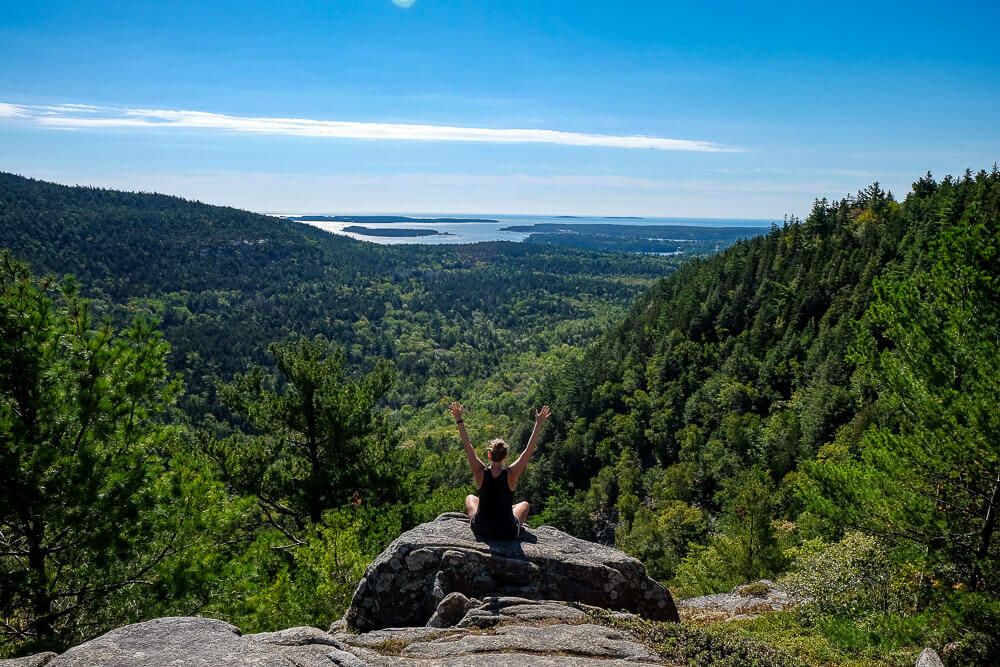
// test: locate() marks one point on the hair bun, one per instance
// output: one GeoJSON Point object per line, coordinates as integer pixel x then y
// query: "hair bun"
{"type": "Point", "coordinates": [496, 451]}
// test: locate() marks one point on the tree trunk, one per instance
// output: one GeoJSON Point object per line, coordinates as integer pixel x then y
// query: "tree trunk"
{"type": "Point", "coordinates": [986, 536]}
{"type": "Point", "coordinates": [41, 601]}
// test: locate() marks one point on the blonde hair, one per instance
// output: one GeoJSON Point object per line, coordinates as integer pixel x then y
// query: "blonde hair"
{"type": "Point", "coordinates": [496, 450]}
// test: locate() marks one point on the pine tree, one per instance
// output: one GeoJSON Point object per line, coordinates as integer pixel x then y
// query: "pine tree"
{"type": "Point", "coordinates": [319, 439]}
{"type": "Point", "coordinates": [84, 510]}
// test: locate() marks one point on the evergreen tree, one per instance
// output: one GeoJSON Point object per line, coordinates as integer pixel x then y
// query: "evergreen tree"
{"type": "Point", "coordinates": [86, 508]}
{"type": "Point", "coordinates": [319, 439]}
{"type": "Point", "coordinates": [746, 544]}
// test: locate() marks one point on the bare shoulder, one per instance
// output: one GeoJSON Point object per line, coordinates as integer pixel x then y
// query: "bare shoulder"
{"type": "Point", "coordinates": [513, 474]}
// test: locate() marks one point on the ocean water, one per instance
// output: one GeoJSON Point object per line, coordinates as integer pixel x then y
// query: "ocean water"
{"type": "Point", "coordinates": [474, 232]}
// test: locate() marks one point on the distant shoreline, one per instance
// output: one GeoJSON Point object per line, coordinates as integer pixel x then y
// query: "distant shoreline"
{"type": "Point", "coordinates": [626, 233]}
{"type": "Point", "coordinates": [382, 219]}
{"type": "Point", "coordinates": [601, 217]}
{"type": "Point", "coordinates": [680, 232]}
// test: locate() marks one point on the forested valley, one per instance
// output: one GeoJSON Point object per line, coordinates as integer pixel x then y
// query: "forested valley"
{"type": "Point", "coordinates": [209, 411]}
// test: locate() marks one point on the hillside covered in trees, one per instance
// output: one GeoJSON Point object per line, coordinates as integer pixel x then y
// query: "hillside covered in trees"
{"type": "Point", "coordinates": [231, 414]}
{"type": "Point", "coordinates": [819, 402]}
{"type": "Point", "coordinates": [224, 283]}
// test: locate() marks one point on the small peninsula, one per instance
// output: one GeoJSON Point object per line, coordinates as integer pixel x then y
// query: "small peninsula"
{"type": "Point", "coordinates": [395, 232]}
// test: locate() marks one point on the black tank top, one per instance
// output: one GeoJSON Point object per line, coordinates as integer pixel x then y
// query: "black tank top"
{"type": "Point", "coordinates": [495, 517]}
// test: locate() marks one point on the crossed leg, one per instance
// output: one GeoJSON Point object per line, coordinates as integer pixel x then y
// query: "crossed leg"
{"type": "Point", "coordinates": [521, 511]}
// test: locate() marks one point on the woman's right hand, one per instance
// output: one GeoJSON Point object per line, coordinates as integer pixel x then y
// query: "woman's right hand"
{"type": "Point", "coordinates": [541, 416]}
{"type": "Point", "coordinates": [456, 410]}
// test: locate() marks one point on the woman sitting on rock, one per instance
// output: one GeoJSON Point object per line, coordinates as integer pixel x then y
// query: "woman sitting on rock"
{"type": "Point", "coordinates": [492, 512]}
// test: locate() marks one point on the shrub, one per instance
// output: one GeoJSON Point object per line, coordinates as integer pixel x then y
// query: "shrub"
{"type": "Point", "coordinates": [701, 647]}
{"type": "Point", "coordinates": [702, 572]}
{"type": "Point", "coordinates": [851, 576]}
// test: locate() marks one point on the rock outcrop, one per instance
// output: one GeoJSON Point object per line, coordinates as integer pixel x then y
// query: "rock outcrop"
{"type": "Point", "coordinates": [201, 642]}
{"type": "Point", "coordinates": [436, 597]}
{"type": "Point", "coordinates": [929, 658]}
{"type": "Point", "coordinates": [408, 582]}
{"type": "Point", "coordinates": [520, 632]}
{"type": "Point", "coordinates": [564, 637]}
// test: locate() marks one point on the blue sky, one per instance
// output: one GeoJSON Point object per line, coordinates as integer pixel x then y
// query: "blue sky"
{"type": "Point", "coordinates": [631, 108]}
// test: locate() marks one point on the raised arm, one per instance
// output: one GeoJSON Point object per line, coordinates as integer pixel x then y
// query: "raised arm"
{"type": "Point", "coordinates": [475, 464]}
{"type": "Point", "coordinates": [541, 416]}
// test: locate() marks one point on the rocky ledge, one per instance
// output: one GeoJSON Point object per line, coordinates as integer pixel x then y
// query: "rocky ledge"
{"type": "Point", "coordinates": [202, 642]}
{"type": "Point", "coordinates": [435, 596]}
{"type": "Point", "coordinates": [409, 580]}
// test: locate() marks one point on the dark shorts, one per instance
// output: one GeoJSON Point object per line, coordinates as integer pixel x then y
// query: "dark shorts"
{"type": "Point", "coordinates": [501, 529]}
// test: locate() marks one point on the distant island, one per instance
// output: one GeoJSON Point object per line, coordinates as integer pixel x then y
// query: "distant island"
{"type": "Point", "coordinates": [604, 217]}
{"type": "Point", "coordinates": [666, 232]}
{"type": "Point", "coordinates": [383, 219]}
{"type": "Point", "coordinates": [616, 237]}
{"type": "Point", "coordinates": [398, 232]}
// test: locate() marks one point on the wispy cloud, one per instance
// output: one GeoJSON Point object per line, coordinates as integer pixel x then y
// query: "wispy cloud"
{"type": "Point", "coordinates": [9, 110]}
{"type": "Point", "coordinates": [76, 116]}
